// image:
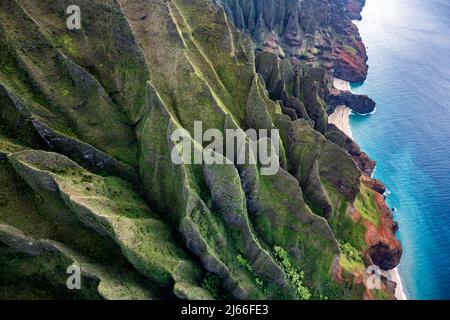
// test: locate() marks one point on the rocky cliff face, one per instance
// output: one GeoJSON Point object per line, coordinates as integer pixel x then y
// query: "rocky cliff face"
{"type": "Point", "coordinates": [86, 176]}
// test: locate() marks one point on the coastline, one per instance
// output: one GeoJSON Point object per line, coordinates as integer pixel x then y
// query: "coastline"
{"type": "Point", "coordinates": [341, 115]}
{"type": "Point", "coordinates": [341, 119]}
{"type": "Point", "coordinates": [341, 85]}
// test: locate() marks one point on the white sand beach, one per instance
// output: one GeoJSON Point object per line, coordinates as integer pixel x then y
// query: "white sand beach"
{"type": "Point", "coordinates": [341, 119]}
{"type": "Point", "coordinates": [341, 84]}
{"type": "Point", "coordinates": [395, 276]}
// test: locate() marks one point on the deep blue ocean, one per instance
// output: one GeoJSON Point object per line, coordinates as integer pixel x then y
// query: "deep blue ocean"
{"type": "Point", "coordinates": [409, 134]}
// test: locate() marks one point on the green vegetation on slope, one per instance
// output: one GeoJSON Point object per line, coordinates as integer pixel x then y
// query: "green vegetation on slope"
{"type": "Point", "coordinates": [86, 175]}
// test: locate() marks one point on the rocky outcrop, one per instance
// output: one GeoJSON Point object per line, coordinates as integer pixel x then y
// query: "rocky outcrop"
{"type": "Point", "coordinates": [361, 104]}
{"type": "Point", "coordinates": [364, 163]}
{"type": "Point", "coordinates": [384, 250]}
{"type": "Point", "coordinates": [41, 257]}
{"type": "Point", "coordinates": [384, 256]}
{"type": "Point", "coordinates": [301, 89]}
{"type": "Point", "coordinates": [353, 8]}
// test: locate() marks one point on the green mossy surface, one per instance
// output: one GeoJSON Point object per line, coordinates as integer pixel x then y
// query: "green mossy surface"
{"type": "Point", "coordinates": [342, 223]}
{"type": "Point", "coordinates": [111, 207]}
{"type": "Point", "coordinates": [19, 205]}
{"type": "Point", "coordinates": [112, 94]}
{"type": "Point", "coordinates": [366, 205]}
{"type": "Point", "coordinates": [39, 277]}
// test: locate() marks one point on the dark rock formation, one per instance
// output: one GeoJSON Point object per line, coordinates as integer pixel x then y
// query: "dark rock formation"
{"type": "Point", "coordinates": [384, 256]}
{"type": "Point", "coordinates": [384, 250]}
{"type": "Point", "coordinates": [376, 185]}
{"type": "Point", "coordinates": [361, 104]}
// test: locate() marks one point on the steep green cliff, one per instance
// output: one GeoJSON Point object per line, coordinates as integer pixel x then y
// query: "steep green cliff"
{"type": "Point", "coordinates": [86, 175]}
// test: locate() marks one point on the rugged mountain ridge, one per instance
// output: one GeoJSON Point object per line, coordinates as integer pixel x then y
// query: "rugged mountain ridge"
{"type": "Point", "coordinates": [87, 178]}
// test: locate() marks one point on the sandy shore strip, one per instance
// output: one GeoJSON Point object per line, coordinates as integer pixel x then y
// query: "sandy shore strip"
{"type": "Point", "coordinates": [341, 84]}
{"type": "Point", "coordinates": [395, 276]}
{"type": "Point", "coordinates": [341, 119]}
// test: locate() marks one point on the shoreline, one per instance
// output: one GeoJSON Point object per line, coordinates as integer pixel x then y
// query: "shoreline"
{"type": "Point", "coordinates": [341, 119]}
{"type": "Point", "coordinates": [341, 115]}
{"type": "Point", "coordinates": [341, 85]}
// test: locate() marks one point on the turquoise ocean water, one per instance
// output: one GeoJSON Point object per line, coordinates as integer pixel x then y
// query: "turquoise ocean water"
{"type": "Point", "coordinates": [409, 134]}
